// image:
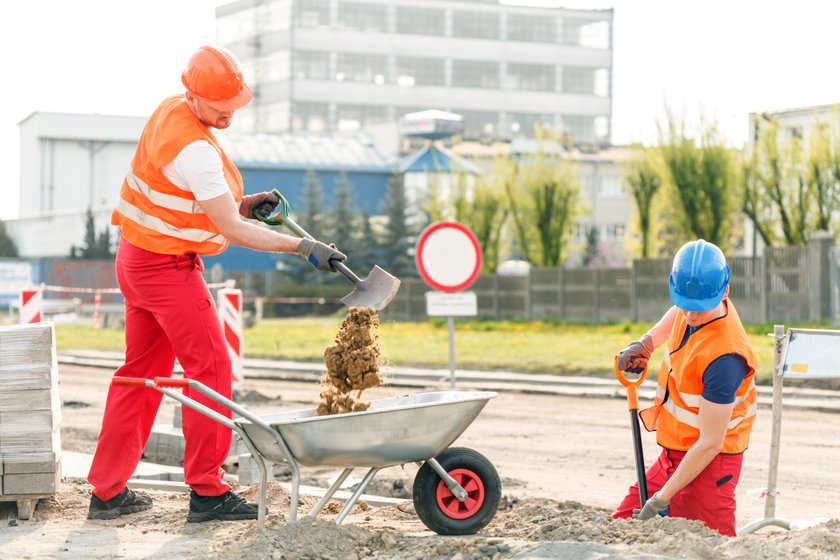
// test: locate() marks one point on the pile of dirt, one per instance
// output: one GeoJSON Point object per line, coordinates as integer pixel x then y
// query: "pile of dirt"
{"type": "Point", "coordinates": [352, 363]}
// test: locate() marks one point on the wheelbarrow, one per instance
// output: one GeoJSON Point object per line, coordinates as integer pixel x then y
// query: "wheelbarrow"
{"type": "Point", "coordinates": [456, 490]}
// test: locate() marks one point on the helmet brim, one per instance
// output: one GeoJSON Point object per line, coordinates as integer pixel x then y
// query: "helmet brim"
{"type": "Point", "coordinates": [696, 305]}
{"type": "Point", "coordinates": [232, 104]}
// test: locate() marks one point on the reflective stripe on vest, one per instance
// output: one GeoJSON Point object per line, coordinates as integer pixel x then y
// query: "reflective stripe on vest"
{"type": "Point", "coordinates": [160, 199]}
{"type": "Point", "coordinates": [692, 419]}
{"type": "Point", "coordinates": [156, 224]}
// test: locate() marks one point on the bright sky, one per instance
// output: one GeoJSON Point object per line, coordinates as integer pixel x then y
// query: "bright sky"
{"type": "Point", "coordinates": [720, 58]}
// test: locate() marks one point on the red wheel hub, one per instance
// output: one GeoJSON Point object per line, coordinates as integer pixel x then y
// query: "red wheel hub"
{"type": "Point", "coordinates": [450, 505]}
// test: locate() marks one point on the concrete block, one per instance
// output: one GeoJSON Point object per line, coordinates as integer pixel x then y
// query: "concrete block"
{"type": "Point", "coordinates": [24, 401]}
{"type": "Point", "coordinates": [15, 440]}
{"type": "Point", "coordinates": [28, 463]}
{"type": "Point", "coordinates": [249, 472]}
{"type": "Point", "coordinates": [26, 377]}
{"type": "Point", "coordinates": [35, 483]}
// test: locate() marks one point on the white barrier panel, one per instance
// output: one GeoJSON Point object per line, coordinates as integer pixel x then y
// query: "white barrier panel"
{"type": "Point", "coordinates": [230, 313]}
{"type": "Point", "coordinates": [31, 306]}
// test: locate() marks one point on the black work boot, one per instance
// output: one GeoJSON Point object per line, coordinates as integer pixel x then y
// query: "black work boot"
{"type": "Point", "coordinates": [123, 503]}
{"type": "Point", "coordinates": [227, 507]}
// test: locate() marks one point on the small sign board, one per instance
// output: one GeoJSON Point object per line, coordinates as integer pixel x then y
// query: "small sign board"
{"type": "Point", "coordinates": [460, 304]}
{"type": "Point", "coordinates": [811, 354]}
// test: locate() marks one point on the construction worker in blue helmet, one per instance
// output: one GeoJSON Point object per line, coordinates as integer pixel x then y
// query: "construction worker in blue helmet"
{"type": "Point", "coordinates": [705, 400]}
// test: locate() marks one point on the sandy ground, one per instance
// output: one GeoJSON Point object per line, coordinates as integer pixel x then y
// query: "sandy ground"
{"type": "Point", "coordinates": [564, 463]}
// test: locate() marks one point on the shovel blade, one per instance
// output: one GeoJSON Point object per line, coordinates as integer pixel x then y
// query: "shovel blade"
{"type": "Point", "coordinates": [374, 292]}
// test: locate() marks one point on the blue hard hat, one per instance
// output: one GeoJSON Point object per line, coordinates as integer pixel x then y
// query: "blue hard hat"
{"type": "Point", "coordinates": [699, 276]}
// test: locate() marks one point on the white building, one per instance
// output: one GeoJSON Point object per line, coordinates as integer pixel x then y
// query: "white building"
{"type": "Point", "coordinates": [339, 64]}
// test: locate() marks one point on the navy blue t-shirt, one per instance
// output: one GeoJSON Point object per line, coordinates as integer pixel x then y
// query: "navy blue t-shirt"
{"type": "Point", "coordinates": [723, 376]}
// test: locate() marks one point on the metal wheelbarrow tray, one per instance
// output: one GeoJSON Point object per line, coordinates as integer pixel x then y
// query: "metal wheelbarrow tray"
{"type": "Point", "coordinates": [456, 491]}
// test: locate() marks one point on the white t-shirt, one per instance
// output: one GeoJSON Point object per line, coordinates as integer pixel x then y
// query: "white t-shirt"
{"type": "Point", "coordinates": [198, 168]}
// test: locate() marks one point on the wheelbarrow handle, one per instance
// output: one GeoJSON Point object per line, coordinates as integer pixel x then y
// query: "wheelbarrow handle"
{"type": "Point", "coordinates": [171, 382]}
{"type": "Point", "coordinates": [130, 381]}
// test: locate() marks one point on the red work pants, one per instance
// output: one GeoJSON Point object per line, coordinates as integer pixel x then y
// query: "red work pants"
{"type": "Point", "coordinates": [710, 497]}
{"type": "Point", "coordinates": [169, 313]}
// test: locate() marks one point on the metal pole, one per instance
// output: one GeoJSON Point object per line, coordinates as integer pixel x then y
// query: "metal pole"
{"type": "Point", "coordinates": [450, 322]}
{"type": "Point", "coordinates": [776, 432]}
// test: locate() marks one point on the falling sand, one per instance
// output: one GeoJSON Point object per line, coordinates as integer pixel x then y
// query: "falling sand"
{"type": "Point", "coordinates": [352, 363]}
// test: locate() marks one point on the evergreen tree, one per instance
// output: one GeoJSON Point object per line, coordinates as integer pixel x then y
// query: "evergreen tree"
{"type": "Point", "coordinates": [397, 237]}
{"type": "Point", "coordinates": [88, 249]}
{"type": "Point", "coordinates": [103, 244]}
{"type": "Point", "coordinates": [590, 255]}
{"type": "Point", "coordinates": [7, 245]}
{"type": "Point", "coordinates": [366, 251]}
{"type": "Point", "coordinates": [311, 216]}
{"type": "Point", "coordinates": [342, 219]}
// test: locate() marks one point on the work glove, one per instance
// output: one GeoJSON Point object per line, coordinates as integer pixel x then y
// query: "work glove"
{"type": "Point", "coordinates": [263, 203]}
{"type": "Point", "coordinates": [652, 507]}
{"type": "Point", "coordinates": [634, 357]}
{"type": "Point", "coordinates": [320, 254]}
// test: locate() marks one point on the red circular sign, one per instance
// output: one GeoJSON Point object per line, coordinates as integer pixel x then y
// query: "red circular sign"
{"type": "Point", "coordinates": [448, 256]}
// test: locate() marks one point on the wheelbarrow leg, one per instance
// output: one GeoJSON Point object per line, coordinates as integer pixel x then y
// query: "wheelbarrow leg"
{"type": "Point", "coordinates": [355, 497]}
{"type": "Point", "coordinates": [329, 494]}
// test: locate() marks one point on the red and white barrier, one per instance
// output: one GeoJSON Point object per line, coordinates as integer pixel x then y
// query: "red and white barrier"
{"type": "Point", "coordinates": [230, 313]}
{"type": "Point", "coordinates": [31, 306]}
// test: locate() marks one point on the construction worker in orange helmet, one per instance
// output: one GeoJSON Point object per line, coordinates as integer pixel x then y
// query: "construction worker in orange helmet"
{"type": "Point", "coordinates": [182, 198]}
{"type": "Point", "coordinates": [705, 402]}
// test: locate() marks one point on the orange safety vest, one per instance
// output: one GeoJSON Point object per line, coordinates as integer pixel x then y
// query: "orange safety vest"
{"type": "Point", "coordinates": [156, 215]}
{"type": "Point", "coordinates": [674, 414]}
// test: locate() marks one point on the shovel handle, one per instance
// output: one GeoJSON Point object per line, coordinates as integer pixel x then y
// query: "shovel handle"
{"type": "Point", "coordinates": [631, 385]}
{"type": "Point", "coordinates": [280, 217]}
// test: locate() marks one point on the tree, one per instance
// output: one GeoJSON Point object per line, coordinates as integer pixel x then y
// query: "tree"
{"type": "Point", "coordinates": [397, 237]}
{"type": "Point", "coordinates": [94, 245]}
{"type": "Point", "coordinates": [8, 248]}
{"type": "Point", "coordinates": [311, 212]}
{"type": "Point", "coordinates": [542, 196]}
{"type": "Point", "coordinates": [367, 249]}
{"type": "Point", "coordinates": [590, 254]}
{"type": "Point", "coordinates": [342, 218]}
{"type": "Point", "coordinates": [823, 176]}
{"type": "Point", "coordinates": [644, 181]}
{"type": "Point", "coordinates": [702, 176]}
{"type": "Point", "coordinates": [778, 179]}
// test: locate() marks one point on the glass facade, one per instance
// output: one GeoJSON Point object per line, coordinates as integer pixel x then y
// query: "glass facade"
{"type": "Point", "coordinates": [475, 73]}
{"type": "Point", "coordinates": [415, 71]}
{"type": "Point", "coordinates": [361, 16]}
{"type": "Point", "coordinates": [312, 13]}
{"type": "Point", "coordinates": [421, 21]}
{"type": "Point", "coordinates": [579, 79]}
{"type": "Point", "coordinates": [525, 124]}
{"type": "Point", "coordinates": [367, 68]}
{"type": "Point", "coordinates": [479, 124]}
{"type": "Point", "coordinates": [475, 25]}
{"type": "Point", "coordinates": [310, 116]}
{"type": "Point", "coordinates": [536, 29]}
{"type": "Point", "coordinates": [311, 65]}
{"type": "Point", "coordinates": [354, 117]}
{"type": "Point", "coordinates": [530, 77]}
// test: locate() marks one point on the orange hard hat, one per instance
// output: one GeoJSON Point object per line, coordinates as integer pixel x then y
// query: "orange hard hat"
{"type": "Point", "coordinates": [213, 75]}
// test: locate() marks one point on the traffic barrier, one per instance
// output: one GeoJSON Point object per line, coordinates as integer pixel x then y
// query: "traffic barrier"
{"type": "Point", "coordinates": [230, 314]}
{"type": "Point", "coordinates": [31, 306]}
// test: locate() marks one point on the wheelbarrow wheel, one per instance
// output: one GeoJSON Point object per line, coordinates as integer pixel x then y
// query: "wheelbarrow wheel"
{"type": "Point", "coordinates": [440, 510]}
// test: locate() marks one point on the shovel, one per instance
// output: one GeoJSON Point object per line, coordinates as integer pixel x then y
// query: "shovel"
{"type": "Point", "coordinates": [375, 291]}
{"type": "Point", "coordinates": [633, 406]}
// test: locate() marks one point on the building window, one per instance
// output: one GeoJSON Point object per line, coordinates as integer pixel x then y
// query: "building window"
{"type": "Point", "coordinates": [366, 68]}
{"type": "Point", "coordinates": [536, 29]}
{"type": "Point", "coordinates": [580, 127]}
{"type": "Point", "coordinates": [311, 65]}
{"type": "Point", "coordinates": [479, 124]}
{"type": "Point", "coordinates": [363, 17]}
{"type": "Point", "coordinates": [475, 25]}
{"type": "Point", "coordinates": [475, 73]}
{"type": "Point", "coordinates": [524, 125]}
{"type": "Point", "coordinates": [414, 71]}
{"type": "Point", "coordinates": [421, 21]}
{"type": "Point", "coordinates": [354, 117]}
{"type": "Point", "coordinates": [312, 13]}
{"type": "Point", "coordinates": [579, 79]}
{"type": "Point", "coordinates": [586, 33]}
{"type": "Point", "coordinates": [530, 77]}
{"type": "Point", "coordinates": [610, 187]}
{"type": "Point", "coordinates": [310, 116]}
{"type": "Point", "coordinates": [275, 117]}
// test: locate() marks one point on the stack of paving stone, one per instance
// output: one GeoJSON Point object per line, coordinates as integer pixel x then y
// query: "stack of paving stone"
{"type": "Point", "coordinates": [30, 414]}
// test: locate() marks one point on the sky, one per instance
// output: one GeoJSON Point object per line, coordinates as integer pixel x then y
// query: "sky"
{"type": "Point", "coordinates": [719, 59]}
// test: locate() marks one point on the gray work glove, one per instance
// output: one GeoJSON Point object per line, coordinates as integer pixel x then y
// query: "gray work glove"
{"type": "Point", "coordinates": [634, 357]}
{"type": "Point", "coordinates": [320, 254]}
{"type": "Point", "coordinates": [263, 203]}
{"type": "Point", "coordinates": [653, 506]}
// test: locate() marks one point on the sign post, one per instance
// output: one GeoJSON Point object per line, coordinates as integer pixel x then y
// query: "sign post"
{"type": "Point", "coordinates": [448, 258]}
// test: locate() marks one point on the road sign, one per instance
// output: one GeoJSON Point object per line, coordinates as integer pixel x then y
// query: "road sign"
{"type": "Point", "coordinates": [448, 256]}
{"type": "Point", "coordinates": [461, 304]}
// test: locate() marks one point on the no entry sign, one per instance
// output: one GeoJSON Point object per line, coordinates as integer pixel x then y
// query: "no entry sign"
{"type": "Point", "coordinates": [448, 256]}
